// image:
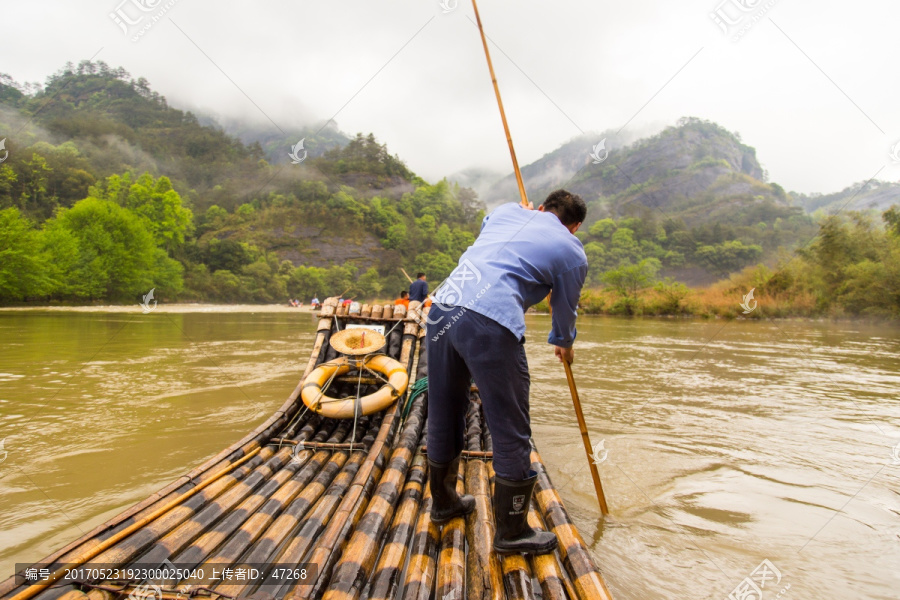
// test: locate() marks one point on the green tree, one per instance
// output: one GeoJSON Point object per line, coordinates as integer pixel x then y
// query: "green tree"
{"type": "Point", "coordinates": [117, 257]}
{"type": "Point", "coordinates": [436, 265]}
{"type": "Point", "coordinates": [629, 280]}
{"type": "Point", "coordinates": [306, 282]}
{"type": "Point", "coordinates": [728, 256]}
{"type": "Point", "coordinates": [161, 207]}
{"type": "Point", "coordinates": [603, 229]}
{"type": "Point", "coordinates": [23, 266]}
{"type": "Point", "coordinates": [369, 283]}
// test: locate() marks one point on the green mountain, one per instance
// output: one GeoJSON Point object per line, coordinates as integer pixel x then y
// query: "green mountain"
{"type": "Point", "coordinates": [135, 194]}
{"type": "Point", "coordinates": [696, 171]}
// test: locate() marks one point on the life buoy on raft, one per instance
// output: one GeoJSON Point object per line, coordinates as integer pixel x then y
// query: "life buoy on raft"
{"type": "Point", "coordinates": [347, 408]}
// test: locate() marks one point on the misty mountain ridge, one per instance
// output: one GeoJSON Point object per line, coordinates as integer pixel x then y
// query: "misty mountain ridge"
{"type": "Point", "coordinates": [696, 171]}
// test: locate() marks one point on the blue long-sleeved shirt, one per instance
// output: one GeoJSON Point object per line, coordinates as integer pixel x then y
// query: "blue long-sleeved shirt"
{"type": "Point", "coordinates": [418, 290]}
{"type": "Point", "coordinates": [517, 259]}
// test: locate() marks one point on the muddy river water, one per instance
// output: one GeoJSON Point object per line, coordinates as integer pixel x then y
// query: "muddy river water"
{"type": "Point", "coordinates": [724, 444]}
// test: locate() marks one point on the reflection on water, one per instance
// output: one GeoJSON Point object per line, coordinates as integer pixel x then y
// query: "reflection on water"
{"type": "Point", "coordinates": [728, 442]}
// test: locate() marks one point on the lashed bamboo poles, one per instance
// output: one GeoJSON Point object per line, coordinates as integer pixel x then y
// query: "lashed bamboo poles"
{"type": "Point", "coordinates": [333, 473]}
{"type": "Point", "coordinates": [545, 567]}
{"type": "Point", "coordinates": [451, 566]}
{"type": "Point", "coordinates": [586, 579]}
{"type": "Point", "coordinates": [169, 496]}
{"type": "Point", "coordinates": [248, 519]}
{"type": "Point", "coordinates": [34, 589]}
{"type": "Point", "coordinates": [420, 572]}
{"type": "Point", "coordinates": [132, 519]}
{"type": "Point", "coordinates": [358, 557]}
{"type": "Point", "coordinates": [326, 552]}
{"type": "Point", "coordinates": [323, 496]}
{"type": "Point", "coordinates": [179, 537]}
{"type": "Point", "coordinates": [290, 544]}
{"type": "Point", "coordinates": [386, 578]}
{"type": "Point", "coordinates": [355, 500]}
{"type": "Point", "coordinates": [483, 578]}
{"type": "Point", "coordinates": [242, 498]}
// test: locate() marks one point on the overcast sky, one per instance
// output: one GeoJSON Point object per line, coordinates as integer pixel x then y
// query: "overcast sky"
{"type": "Point", "coordinates": [812, 85]}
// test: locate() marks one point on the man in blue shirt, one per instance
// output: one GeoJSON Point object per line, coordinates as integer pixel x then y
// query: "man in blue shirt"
{"type": "Point", "coordinates": [476, 330]}
{"type": "Point", "coordinates": [418, 289]}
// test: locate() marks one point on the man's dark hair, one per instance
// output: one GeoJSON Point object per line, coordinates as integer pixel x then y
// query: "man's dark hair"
{"type": "Point", "coordinates": [419, 275]}
{"type": "Point", "coordinates": [403, 294]}
{"type": "Point", "coordinates": [570, 208]}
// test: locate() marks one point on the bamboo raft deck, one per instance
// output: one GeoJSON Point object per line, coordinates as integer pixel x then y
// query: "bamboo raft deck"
{"type": "Point", "coordinates": [349, 497]}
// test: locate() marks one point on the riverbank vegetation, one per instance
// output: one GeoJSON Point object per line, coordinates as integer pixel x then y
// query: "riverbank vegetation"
{"type": "Point", "coordinates": [850, 269]}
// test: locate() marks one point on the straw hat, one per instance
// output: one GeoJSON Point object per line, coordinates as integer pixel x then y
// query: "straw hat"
{"type": "Point", "coordinates": [355, 342]}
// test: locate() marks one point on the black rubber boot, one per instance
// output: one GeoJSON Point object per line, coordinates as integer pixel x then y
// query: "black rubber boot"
{"type": "Point", "coordinates": [446, 503]}
{"type": "Point", "coordinates": [511, 502]}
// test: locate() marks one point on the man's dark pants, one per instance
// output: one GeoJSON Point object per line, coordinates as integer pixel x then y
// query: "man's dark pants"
{"type": "Point", "coordinates": [463, 344]}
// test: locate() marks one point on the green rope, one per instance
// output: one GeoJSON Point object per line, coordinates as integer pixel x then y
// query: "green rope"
{"type": "Point", "coordinates": [416, 390]}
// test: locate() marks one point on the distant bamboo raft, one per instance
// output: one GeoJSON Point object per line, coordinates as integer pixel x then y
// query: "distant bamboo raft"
{"type": "Point", "coordinates": [350, 498]}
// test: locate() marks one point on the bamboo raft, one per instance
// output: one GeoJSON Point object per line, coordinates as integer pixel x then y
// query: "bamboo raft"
{"type": "Point", "coordinates": [345, 499]}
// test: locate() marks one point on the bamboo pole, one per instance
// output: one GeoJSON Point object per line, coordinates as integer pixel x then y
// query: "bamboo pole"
{"type": "Point", "coordinates": [451, 566]}
{"type": "Point", "coordinates": [586, 440]}
{"type": "Point", "coordinates": [484, 580]}
{"type": "Point", "coordinates": [386, 578]}
{"type": "Point", "coordinates": [586, 578]}
{"type": "Point", "coordinates": [108, 543]}
{"type": "Point", "coordinates": [358, 557]}
{"type": "Point", "coordinates": [407, 274]}
{"type": "Point", "coordinates": [512, 150]}
{"type": "Point", "coordinates": [546, 568]}
{"type": "Point", "coordinates": [420, 573]}
{"type": "Point", "coordinates": [596, 476]}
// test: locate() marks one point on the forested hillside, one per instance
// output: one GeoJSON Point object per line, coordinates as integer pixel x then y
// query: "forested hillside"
{"type": "Point", "coordinates": [107, 192]}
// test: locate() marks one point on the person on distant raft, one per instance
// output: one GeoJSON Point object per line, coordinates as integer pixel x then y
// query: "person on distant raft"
{"type": "Point", "coordinates": [476, 329]}
{"type": "Point", "coordinates": [315, 302]}
{"type": "Point", "coordinates": [418, 289]}
{"type": "Point", "coordinates": [403, 299]}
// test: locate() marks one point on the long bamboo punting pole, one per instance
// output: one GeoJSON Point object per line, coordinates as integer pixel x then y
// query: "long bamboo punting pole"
{"type": "Point", "coordinates": [586, 440]}
{"type": "Point", "coordinates": [524, 197]}
{"type": "Point", "coordinates": [512, 150]}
